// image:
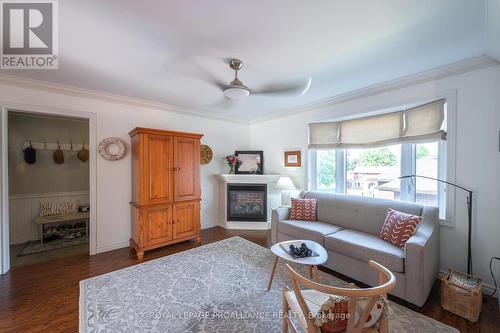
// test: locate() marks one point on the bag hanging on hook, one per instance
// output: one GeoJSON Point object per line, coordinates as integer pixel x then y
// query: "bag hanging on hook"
{"type": "Point", "coordinates": [58, 155]}
{"type": "Point", "coordinates": [83, 154]}
{"type": "Point", "coordinates": [29, 154]}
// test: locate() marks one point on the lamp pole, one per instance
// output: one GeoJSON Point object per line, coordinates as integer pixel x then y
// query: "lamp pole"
{"type": "Point", "coordinates": [469, 214]}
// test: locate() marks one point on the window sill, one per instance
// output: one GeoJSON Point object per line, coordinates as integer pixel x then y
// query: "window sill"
{"type": "Point", "coordinates": [444, 223]}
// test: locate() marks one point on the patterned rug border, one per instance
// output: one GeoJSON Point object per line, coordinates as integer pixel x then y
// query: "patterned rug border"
{"type": "Point", "coordinates": [82, 301]}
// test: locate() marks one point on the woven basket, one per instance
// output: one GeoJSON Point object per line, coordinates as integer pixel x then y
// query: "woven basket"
{"type": "Point", "coordinates": [461, 301]}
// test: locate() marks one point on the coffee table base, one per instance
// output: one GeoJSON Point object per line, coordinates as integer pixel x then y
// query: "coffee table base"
{"type": "Point", "coordinates": [313, 272]}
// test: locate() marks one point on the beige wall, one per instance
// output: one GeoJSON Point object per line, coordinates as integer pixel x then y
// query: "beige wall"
{"type": "Point", "coordinates": [45, 176]}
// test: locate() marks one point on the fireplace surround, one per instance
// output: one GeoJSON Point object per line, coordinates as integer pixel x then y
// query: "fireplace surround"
{"type": "Point", "coordinates": [246, 201]}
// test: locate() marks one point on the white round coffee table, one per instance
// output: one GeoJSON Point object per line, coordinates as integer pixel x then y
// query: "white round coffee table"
{"type": "Point", "coordinates": [312, 262]}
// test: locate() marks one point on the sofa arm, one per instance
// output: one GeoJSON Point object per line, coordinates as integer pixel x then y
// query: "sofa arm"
{"type": "Point", "coordinates": [278, 214]}
{"type": "Point", "coordinates": [422, 257]}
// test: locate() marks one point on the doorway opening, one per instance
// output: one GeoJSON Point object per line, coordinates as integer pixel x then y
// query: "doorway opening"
{"type": "Point", "coordinates": [49, 186]}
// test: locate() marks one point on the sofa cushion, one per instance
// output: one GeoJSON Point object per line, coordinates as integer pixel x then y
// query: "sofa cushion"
{"type": "Point", "coordinates": [314, 231]}
{"type": "Point", "coordinates": [365, 214]}
{"type": "Point", "coordinates": [303, 209]}
{"type": "Point", "coordinates": [365, 247]}
{"type": "Point", "coordinates": [399, 227]}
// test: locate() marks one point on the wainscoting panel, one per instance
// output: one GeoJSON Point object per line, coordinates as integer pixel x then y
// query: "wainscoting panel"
{"type": "Point", "coordinates": [23, 209]}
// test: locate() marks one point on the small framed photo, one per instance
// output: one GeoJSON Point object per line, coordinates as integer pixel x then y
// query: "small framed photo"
{"type": "Point", "coordinates": [293, 158]}
{"type": "Point", "coordinates": [252, 162]}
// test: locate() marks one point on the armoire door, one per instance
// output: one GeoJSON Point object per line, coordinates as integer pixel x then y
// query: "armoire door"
{"type": "Point", "coordinates": [186, 168]}
{"type": "Point", "coordinates": [158, 225]}
{"type": "Point", "coordinates": [159, 178]}
{"type": "Point", "coordinates": [186, 219]}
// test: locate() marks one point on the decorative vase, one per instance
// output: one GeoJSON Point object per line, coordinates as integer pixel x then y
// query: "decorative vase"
{"type": "Point", "coordinates": [231, 170]}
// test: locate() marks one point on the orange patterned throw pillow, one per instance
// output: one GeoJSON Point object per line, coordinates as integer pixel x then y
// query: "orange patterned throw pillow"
{"type": "Point", "coordinates": [303, 209]}
{"type": "Point", "coordinates": [399, 227]}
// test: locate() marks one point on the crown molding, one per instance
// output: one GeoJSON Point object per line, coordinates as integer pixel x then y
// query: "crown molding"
{"type": "Point", "coordinates": [405, 81]}
{"type": "Point", "coordinates": [456, 68]}
{"type": "Point", "coordinates": [109, 97]}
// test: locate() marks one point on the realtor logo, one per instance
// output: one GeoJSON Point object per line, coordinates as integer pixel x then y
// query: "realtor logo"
{"type": "Point", "coordinates": [29, 34]}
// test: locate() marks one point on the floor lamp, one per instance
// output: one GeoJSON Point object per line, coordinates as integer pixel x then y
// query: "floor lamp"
{"type": "Point", "coordinates": [469, 214]}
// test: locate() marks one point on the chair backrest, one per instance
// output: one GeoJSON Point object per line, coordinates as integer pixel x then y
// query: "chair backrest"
{"type": "Point", "coordinates": [387, 282]}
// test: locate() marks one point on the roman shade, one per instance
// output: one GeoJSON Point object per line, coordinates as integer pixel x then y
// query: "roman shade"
{"type": "Point", "coordinates": [419, 124]}
{"type": "Point", "coordinates": [323, 135]}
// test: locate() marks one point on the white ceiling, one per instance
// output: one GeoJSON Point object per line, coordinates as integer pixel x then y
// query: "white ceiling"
{"type": "Point", "coordinates": [158, 50]}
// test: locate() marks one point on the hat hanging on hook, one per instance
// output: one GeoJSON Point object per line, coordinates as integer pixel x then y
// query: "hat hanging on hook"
{"type": "Point", "coordinates": [58, 155]}
{"type": "Point", "coordinates": [83, 154]}
{"type": "Point", "coordinates": [29, 154]}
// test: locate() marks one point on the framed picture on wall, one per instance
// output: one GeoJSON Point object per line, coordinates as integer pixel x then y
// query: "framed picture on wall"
{"type": "Point", "coordinates": [293, 158]}
{"type": "Point", "coordinates": [252, 162]}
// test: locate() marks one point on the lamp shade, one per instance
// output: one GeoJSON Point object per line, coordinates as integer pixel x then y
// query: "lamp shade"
{"type": "Point", "coordinates": [285, 184]}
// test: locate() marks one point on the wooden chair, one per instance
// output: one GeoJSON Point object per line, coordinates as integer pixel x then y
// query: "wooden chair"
{"type": "Point", "coordinates": [293, 300]}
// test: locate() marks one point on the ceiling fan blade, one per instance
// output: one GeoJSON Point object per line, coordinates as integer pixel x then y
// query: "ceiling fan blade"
{"type": "Point", "coordinates": [187, 65]}
{"type": "Point", "coordinates": [285, 89]}
{"type": "Point", "coordinates": [206, 76]}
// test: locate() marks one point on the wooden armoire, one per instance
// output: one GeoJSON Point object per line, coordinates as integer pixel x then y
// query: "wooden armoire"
{"type": "Point", "coordinates": [166, 190]}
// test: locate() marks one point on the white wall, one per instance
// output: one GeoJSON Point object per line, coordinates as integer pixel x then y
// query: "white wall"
{"type": "Point", "coordinates": [493, 29]}
{"type": "Point", "coordinates": [113, 178]}
{"type": "Point", "coordinates": [477, 154]}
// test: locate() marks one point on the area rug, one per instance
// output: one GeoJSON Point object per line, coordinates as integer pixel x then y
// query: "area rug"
{"type": "Point", "coordinates": [33, 247]}
{"type": "Point", "coordinates": [219, 287]}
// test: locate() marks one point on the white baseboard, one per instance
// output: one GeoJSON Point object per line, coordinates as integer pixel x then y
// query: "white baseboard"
{"type": "Point", "coordinates": [111, 247]}
{"type": "Point", "coordinates": [241, 225]}
{"type": "Point", "coordinates": [487, 289]}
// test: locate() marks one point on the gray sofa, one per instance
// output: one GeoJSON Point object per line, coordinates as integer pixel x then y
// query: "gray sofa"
{"type": "Point", "coordinates": [348, 228]}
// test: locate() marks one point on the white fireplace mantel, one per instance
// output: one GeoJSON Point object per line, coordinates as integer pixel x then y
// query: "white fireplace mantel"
{"type": "Point", "coordinates": [273, 199]}
{"type": "Point", "coordinates": [250, 179]}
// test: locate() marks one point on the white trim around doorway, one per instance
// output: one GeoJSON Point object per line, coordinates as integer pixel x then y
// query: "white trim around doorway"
{"type": "Point", "coordinates": [4, 179]}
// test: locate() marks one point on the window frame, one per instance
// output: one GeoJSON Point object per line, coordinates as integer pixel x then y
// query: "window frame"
{"type": "Point", "coordinates": [446, 161]}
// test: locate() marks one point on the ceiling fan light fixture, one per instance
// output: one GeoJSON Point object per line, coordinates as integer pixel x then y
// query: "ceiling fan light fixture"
{"type": "Point", "coordinates": [236, 92]}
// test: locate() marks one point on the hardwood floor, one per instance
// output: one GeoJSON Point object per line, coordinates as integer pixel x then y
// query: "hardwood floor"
{"type": "Point", "coordinates": [44, 297]}
{"type": "Point", "coordinates": [36, 258]}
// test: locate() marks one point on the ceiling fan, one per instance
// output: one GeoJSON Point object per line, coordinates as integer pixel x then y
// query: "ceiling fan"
{"type": "Point", "coordinates": [237, 90]}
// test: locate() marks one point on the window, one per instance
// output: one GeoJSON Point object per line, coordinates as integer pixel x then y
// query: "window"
{"type": "Point", "coordinates": [369, 169]}
{"type": "Point", "coordinates": [325, 171]}
{"type": "Point", "coordinates": [360, 157]}
{"type": "Point", "coordinates": [375, 172]}
{"type": "Point", "coordinates": [427, 165]}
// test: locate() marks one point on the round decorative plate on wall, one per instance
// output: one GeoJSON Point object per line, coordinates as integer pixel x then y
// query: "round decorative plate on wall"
{"type": "Point", "coordinates": [206, 154]}
{"type": "Point", "coordinates": [112, 149]}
